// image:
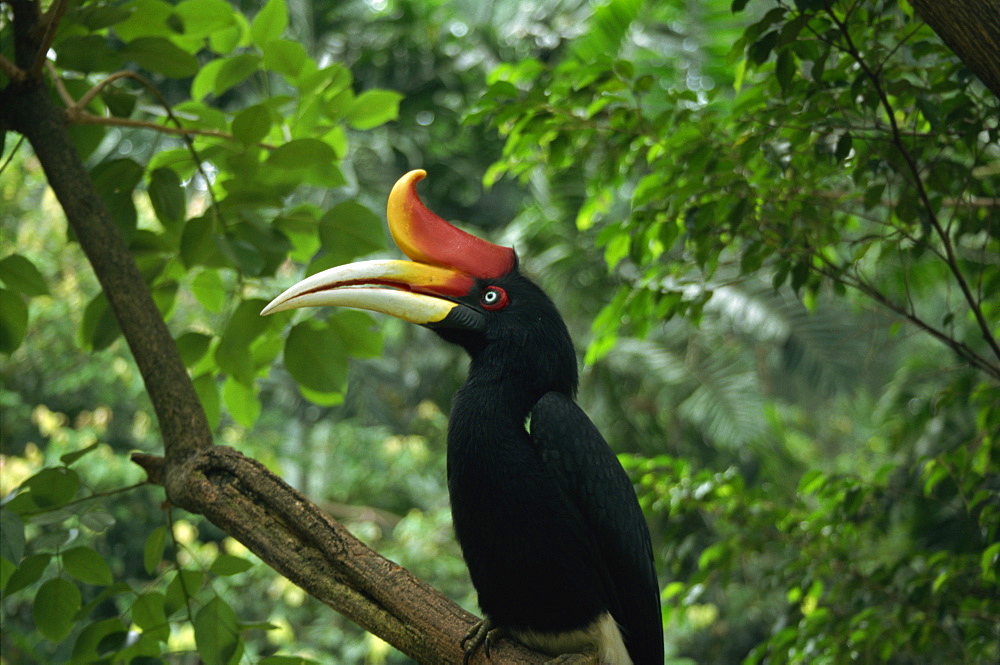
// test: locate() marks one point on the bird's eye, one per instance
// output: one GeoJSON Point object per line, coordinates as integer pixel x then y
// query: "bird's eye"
{"type": "Point", "coordinates": [493, 298]}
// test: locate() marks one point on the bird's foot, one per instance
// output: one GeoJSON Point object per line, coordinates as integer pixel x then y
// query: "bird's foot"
{"type": "Point", "coordinates": [482, 633]}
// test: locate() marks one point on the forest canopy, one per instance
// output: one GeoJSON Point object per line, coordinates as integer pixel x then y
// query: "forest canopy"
{"type": "Point", "coordinates": [772, 227]}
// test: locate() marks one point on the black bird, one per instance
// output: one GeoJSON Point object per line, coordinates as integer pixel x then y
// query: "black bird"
{"type": "Point", "coordinates": [548, 521]}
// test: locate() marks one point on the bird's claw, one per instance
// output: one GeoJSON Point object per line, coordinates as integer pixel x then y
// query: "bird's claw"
{"type": "Point", "coordinates": [482, 633]}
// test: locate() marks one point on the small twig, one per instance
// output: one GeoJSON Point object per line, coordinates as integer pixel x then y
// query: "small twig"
{"type": "Point", "coordinates": [50, 22]}
{"type": "Point", "coordinates": [918, 183]}
{"type": "Point", "coordinates": [60, 85]}
{"type": "Point", "coordinates": [89, 497]}
{"type": "Point", "coordinates": [13, 72]}
{"type": "Point", "coordinates": [80, 117]}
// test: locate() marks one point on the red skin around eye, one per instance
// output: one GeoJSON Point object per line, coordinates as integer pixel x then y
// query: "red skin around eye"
{"type": "Point", "coordinates": [499, 304]}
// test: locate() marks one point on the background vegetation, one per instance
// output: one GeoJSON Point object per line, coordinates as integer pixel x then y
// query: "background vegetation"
{"type": "Point", "coordinates": [773, 228]}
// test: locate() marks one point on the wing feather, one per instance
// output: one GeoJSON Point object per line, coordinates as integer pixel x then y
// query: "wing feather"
{"type": "Point", "coordinates": [590, 476]}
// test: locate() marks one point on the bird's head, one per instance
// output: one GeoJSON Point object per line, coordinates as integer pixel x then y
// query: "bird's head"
{"type": "Point", "coordinates": [466, 289]}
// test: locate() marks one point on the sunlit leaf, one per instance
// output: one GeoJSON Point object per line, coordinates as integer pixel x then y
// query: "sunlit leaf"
{"type": "Point", "coordinates": [373, 108]}
{"type": "Point", "coordinates": [252, 124]}
{"type": "Point", "coordinates": [241, 401]}
{"type": "Point", "coordinates": [269, 23]}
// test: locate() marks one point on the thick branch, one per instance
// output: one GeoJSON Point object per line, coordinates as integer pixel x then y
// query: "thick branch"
{"type": "Point", "coordinates": [294, 537]}
{"type": "Point", "coordinates": [970, 28]}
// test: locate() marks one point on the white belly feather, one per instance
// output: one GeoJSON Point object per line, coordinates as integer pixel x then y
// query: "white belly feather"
{"type": "Point", "coordinates": [602, 638]}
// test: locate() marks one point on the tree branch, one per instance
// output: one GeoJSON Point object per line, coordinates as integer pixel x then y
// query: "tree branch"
{"type": "Point", "coordinates": [970, 28]}
{"type": "Point", "coordinates": [242, 497]}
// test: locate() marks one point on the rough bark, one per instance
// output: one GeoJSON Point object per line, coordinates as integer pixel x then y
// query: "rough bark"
{"type": "Point", "coordinates": [236, 493]}
{"type": "Point", "coordinates": [970, 28]}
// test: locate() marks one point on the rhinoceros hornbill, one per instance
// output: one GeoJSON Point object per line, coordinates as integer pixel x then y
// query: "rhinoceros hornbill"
{"type": "Point", "coordinates": [548, 522]}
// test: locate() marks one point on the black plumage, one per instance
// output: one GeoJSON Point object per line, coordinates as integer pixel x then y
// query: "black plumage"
{"type": "Point", "coordinates": [547, 519]}
{"type": "Point", "coordinates": [549, 524]}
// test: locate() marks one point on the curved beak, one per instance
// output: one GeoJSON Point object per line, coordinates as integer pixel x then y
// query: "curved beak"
{"type": "Point", "coordinates": [415, 292]}
{"type": "Point", "coordinates": [446, 262]}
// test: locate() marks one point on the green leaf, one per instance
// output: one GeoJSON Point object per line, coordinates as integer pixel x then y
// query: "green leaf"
{"type": "Point", "coordinates": [349, 230]}
{"type": "Point", "coordinates": [198, 246]}
{"type": "Point", "coordinates": [29, 571]}
{"type": "Point", "coordinates": [784, 69]}
{"type": "Point", "coordinates": [21, 275]}
{"type": "Point", "coordinates": [373, 108]}
{"type": "Point", "coordinates": [201, 18]}
{"type": "Point", "coordinates": [209, 290]}
{"type": "Point", "coordinates": [314, 358]}
{"type": "Point", "coordinates": [302, 154]}
{"type": "Point", "coordinates": [357, 333]}
{"type": "Point", "coordinates": [98, 328]}
{"type": "Point", "coordinates": [269, 23]}
{"type": "Point", "coordinates": [216, 632]}
{"type": "Point", "coordinates": [148, 19]}
{"type": "Point", "coordinates": [99, 640]}
{"type": "Point", "coordinates": [235, 70]}
{"type": "Point", "coordinates": [53, 486]}
{"type": "Point", "coordinates": [252, 124]}
{"type": "Point", "coordinates": [13, 321]}
{"type": "Point", "coordinates": [160, 55]}
{"type": "Point", "coordinates": [54, 608]}
{"type": "Point", "coordinates": [843, 149]}
{"type": "Point", "coordinates": [167, 196]}
{"type": "Point", "coordinates": [241, 401]}
{"type": "Point", "coordinates": [287, 57]}
{"type": "Point", "coordinates": [7, 569]}
{"type": "Point", "coordinates": [114, 180]}
{"type": "Point", "coordinates": [149, 613]}
{"type": "Point", "coordinates": [152, 551]}
{"type": "Point", "coordinates": [86, 565]}
{"type": "Point", "coordinates": [69, 458]}
{"type": "Point", "coordinates": [193, 346]}
{"type": "Point", "coordinates": [184, 586]}
{"type": "Point", "coordinates": [244, 326]}
{"type": "Point", "coordinates": [228, 564]}
{"type": "Point", "coordinates": [208, 395]}
{"type": "Point", "coordinates": [88, 53]}
{"type": "Point", "coordinates": [11, 536]}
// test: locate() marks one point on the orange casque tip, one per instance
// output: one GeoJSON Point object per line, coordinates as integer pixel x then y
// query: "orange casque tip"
{"type": "Point", "coordinates": [425, 237]}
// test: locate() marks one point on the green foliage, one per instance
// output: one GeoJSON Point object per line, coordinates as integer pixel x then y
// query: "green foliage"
{"type": "Point", "coordinates": [844, 155]}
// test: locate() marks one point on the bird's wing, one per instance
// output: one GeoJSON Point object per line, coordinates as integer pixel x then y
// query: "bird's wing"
{"type": "Point", "coordinates": [591, 477]}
